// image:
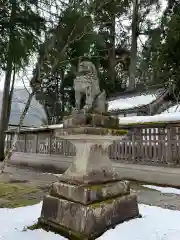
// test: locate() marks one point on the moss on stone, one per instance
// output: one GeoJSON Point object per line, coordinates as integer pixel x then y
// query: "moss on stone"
{"type": "Point", "coordinates": [93, 131]}
{"type": "Point", "coordinates": [99, 204]}
{"type": "Point", "coordinates": [33, 227]}
{"type": "Point", "coordinates": [95, 187]}
{"type": "Point", "coordinates": [60, 230]}
{"type": "Point", "coordinates": [106, 201]}
{"type": "Point", "coordinates": [117, 131]}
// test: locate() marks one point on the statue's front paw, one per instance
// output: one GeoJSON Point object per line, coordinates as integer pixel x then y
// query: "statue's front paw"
{"type": "Point", "coordinates": [86, 108]}
{"type": "Point", "coordinates": [75, 111]}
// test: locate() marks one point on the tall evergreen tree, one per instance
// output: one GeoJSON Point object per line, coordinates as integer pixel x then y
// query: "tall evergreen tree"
{"type": "Point", "coordinates": [161, 53]}
{"type": "Point", "coordinates": [113, 50]}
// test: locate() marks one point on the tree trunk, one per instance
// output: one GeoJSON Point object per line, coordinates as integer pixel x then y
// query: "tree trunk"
{"type": "Point", "coordinates": [10, 97]}
{"type": "Point", "coordinates": [7, 83]}
{"type": "Point", "coordinates": [135, 25]}
{"type": "Point", "coordinates": [62, 95]}
{"type": "Point", "coordinates": [112, 55]}
{"type": "Point", "coordinates": [48, 115]}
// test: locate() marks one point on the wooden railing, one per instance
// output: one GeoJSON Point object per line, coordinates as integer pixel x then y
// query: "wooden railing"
{"type": "Point", "coordinates": [153, 144]}
{"type": "Point", "coordinates": [41, 142]}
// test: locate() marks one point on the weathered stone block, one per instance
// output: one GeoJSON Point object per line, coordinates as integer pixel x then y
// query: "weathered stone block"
{"type": "Point", "coordinates": [89, 177]}
{"type": "Point", "coordinates": [75, 120]}
{"type": "Point", "coordinates": [104, 121]}
{"type": "Point", "coordinates": [88, 119]}
{"type": "Point", "coordinates": [91, 193]}
{"type": "Point", "coordinates": [87, 221]}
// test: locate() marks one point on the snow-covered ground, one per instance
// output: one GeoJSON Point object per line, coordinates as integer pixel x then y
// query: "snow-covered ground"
{"type": "Point", "coordinates": [163, 189]}
{"type": "Point", "coordinates": [156, 224]}
{"type": "Point", "coordinates": [53, 174]}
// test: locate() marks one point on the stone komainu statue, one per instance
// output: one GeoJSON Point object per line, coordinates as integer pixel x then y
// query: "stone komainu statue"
{"type": "Point", "coordinates": [86, 84]}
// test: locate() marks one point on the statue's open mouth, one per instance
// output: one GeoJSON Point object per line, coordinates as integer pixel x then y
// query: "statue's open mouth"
{"type": "Point", "coordinates": [83, 72]}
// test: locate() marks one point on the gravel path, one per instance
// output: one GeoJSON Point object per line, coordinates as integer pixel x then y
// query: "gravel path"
{"type": "Point", "coordinates": [42, 180]}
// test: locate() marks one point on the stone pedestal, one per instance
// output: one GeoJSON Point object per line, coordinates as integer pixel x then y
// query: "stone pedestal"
{"type": "Point", "coordinates": [86, 119]}
{"type": "Point", "coordinates": [90, 196]}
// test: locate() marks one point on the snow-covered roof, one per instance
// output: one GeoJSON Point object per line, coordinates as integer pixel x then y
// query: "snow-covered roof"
{"type": "Point", "coordinates": [173, 109]}
{"type": "Point", "coordinates": [35, 113]}
{"type": "Point", "coordinates": [133, 100]}
{"type": "Point", "coordinates": [55, 126]}
{"type": "Point", "coordinates": [163, 117]}
{"type": "Point", "coordinates": [41, 128]}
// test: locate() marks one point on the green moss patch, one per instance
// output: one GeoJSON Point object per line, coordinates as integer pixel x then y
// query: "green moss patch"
{"type": "Point", "coordinates": [33, 227]}
{"type": "Point", "coordinates": [58, 229]}
{"type": "Point", "coordinates": [17, 195]}
{"type": "Point", "coordinates": [98, 204]}
{"type": "Point", "coordinates": [107, 201]}
{"type": "Point", "coordinates": [95, 187]}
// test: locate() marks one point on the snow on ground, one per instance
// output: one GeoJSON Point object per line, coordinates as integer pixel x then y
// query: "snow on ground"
{"type": "Point", "coordinates": [52, 174]}
{"type": "Point", "coordinates": [164, 189]}
{"type": "Point", "coordinates": [13, 222]}
{"type": "Point", "coordinates": [156, 224]}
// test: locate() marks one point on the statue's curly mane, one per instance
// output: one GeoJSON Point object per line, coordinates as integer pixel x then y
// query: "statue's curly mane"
{"type": "Point", "coordinates": [84, 65]}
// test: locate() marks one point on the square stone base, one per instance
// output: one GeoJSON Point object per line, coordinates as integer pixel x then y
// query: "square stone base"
{"type": "Point", "coordinates": [87, 194]}
{"type": "Point", "coordinates": [78, 221]}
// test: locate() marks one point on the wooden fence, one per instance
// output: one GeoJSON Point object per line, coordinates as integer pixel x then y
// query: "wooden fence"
{"type": "Point", "coordinates": [153, 144]}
